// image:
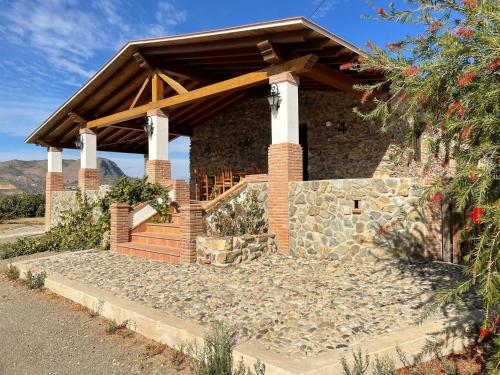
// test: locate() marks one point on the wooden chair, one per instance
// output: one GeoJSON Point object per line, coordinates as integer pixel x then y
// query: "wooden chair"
{"type": "Point", "coordinates": [227, 179]}
{"type": "Point", "coordinates": [202, 189]}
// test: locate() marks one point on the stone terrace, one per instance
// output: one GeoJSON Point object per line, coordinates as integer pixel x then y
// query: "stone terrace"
{"type": "Point", "coordinates": [293, 306]}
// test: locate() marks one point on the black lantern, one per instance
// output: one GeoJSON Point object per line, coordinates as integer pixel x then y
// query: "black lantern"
{"type": "Point", "coordinates": [148, 126]}
{"type": "Point", "coordinates": [342, 126]}
{"type": "Point", "coordinates": [79, 141]}
{"type": "Point", "coordinates": [274, 97]}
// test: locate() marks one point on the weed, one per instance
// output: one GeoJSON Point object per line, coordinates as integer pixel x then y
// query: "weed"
{"type": "Point", "coordinates": [178, 357]}
{"type": "Point", "coordinates": [12, 273]}
{"type": "Point", "coordinates": [35, 281]}
{"type": "Point", "coordinates": [112, 327]}
{"type": "Point", "coordinates": [154, 349]}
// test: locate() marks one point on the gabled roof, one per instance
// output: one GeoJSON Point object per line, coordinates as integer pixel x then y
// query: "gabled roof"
{"type": "Point", "coordinates": [193, 60]}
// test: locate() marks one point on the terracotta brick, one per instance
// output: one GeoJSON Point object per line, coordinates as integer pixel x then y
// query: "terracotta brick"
{"type": "Point", "coordinates": [181, 189]}
{"type": "Point", "coordinates": [191, 226]}
{"type": "Point", "coordinates": [285, 165]}
{"type": "Point", "coordinates": [120, 225]}
{"type": "Point", "coordinates": [54, 181]}
{"type": "Point", "coordinates": [158, 171]}
{"type": "Point", "coordinates": [88, 179]}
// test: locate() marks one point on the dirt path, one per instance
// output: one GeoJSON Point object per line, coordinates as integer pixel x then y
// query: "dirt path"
{"type": "Point", "coordinates": [42, 334]}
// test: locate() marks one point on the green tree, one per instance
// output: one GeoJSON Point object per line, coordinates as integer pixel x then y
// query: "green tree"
{"type": "Point", "coordinates": [446, 81]}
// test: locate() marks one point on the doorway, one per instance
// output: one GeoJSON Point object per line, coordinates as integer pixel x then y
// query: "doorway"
{"type": "Point", "coordinates": [305, 149]}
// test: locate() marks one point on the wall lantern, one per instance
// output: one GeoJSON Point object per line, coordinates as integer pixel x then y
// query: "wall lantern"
{"type": "Point", "coordinates": [79, 141]}
{"type": "Point", "coordinates": [148, 126]}
{"type": "Point", "coordinates": [274, 97]}
{"type": "Point", "coordinates": [342, 126]}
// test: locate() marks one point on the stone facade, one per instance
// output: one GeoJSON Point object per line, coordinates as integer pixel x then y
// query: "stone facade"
{"type": "Point", "coordinates": [355, 218]}
{"type": "Point", "coordinates": [241, 135]}
{"type": "Point", "coordinates": [62, 201]}
{"type": "Point", "coordinates": [225, 251]}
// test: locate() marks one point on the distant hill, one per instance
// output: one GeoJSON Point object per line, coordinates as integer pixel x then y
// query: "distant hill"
{"type": "Point", "coordinates": [17, 176]}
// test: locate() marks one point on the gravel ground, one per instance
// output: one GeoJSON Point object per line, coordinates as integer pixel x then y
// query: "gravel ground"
{"type": "Point", "coordinates": [42, 334]}
{"type": "Point", "coordinates": [11, 235]}
{"type": "Point", "coordinates": [299, 307]}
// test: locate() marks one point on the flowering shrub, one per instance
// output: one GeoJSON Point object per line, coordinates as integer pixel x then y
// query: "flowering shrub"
{"type": "Point", "coordinates": [449, 78]}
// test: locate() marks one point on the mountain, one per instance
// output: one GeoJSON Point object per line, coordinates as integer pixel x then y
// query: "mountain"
{"type": "Point", "coordinates": [17, 176]}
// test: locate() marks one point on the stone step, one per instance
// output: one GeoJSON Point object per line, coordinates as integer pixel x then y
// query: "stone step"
{"type": "Point", "coordinates": [145, 251]}
{"type": "Point", "coordinates": [156, 239]}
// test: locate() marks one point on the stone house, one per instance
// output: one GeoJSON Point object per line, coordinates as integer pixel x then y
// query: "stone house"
{"type": "Point", "coordinates": [332, 184]}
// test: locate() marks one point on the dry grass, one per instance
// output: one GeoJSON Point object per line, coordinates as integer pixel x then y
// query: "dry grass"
{"type": "Point", "coordinates": [20, 222]}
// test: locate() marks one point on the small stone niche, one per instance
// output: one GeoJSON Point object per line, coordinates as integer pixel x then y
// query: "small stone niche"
{"type": "Point", "coordinates": [356, 206]}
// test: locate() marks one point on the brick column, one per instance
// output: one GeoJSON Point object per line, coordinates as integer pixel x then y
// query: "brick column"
{"type": "Point", "coordinates": [88, 179]}
{"type": "Point", "coordinates": [54, 181]}
{"type": "Point", "coordinates": [284, 156]}
{"type": "Point", "coordinates": [285, 165]}
{"type": "Point", "coordinates": [158, 167]}
{"type": "Point", "coordinates": [181, 193]}
{"type": "Point", "coordinates": [158, 171]}
{"type": "Point", "coordinates": [120, 224]}
{"type": "Point", "coordinates": [88, 176]}
{"type": "Point", "coordinates": [191, 227]}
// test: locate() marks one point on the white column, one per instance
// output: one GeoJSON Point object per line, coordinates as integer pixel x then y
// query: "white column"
{"type": "Point", "coordinates": [88, 154]}
{"type": "Point", "coordinates": [285, 121]}
{"type": "Point", "coordinates": [54, 158]}
{"type": "Point", "coordinates": [158, 142]}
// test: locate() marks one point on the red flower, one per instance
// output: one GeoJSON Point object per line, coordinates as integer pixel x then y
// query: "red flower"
{"type": "Point", "coordinates": [370, 45]}
{"type": "Point", "coordinates": [381, 231]}
{"type": "Point", "coordinates": [476, 214]}
{"type": "Point", "coordinates": [494, 65]}
{"type": "Point", "coordinates": [465, 133]}
{"type": "Point", "coordinates": [411, 71]}
{"type": "Point", "coordinates": [346, 66]}
{"type": "Point", "coordinates": [382, 12]}
{"type": "Point", "coordinates": [484, 332]}
{"type": "Point", "coordinates": [465, 79]}
{"type": "Point", "coordinates": [473, 177]}
{"type": "Point", "coordinates": [464, 32]}
{"type": "Point", "coordinates": [366, 96]}
{"type": "Point", "coordinates": [394, 46]}
{"type": "Point", "coordinates": [471, 4]}
{"type": "Point", "coordinates": [436, 198]}
{"type": "Point", "coordinates": [403, 97]}
{"type": "Point", "coordinates": [421, 37]}
{"type": "Point", "coordinates": [456, 107]}
{"type": "Point", "coordinates": [434, 26]}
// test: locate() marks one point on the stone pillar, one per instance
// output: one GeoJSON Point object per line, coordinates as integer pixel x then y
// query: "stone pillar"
{"type": "Point", "coordinates": [120, 224]}
{"type": "Point", "coordinates": [284, 157]}
{"type": "Point", "coordinates": [88, 176]}
{"type": "Point", "coordinates": [191, 227]}
{"type": "Point", "coordinates": [158, 167]}
{"type": "Point", "coordinates": [54, 181]}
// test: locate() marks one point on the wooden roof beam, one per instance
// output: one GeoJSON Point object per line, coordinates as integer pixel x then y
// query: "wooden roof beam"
{"type": "Point", "coordinates": [76, 118]}
{"type": "Point", "coordinates": [298, 65]}
{"type": "Point", "coordinates": [143, 63]}
{"type": "Point", "coordinates": [172, 83]}
{"type": "Point", "coordinates": [269, 52]}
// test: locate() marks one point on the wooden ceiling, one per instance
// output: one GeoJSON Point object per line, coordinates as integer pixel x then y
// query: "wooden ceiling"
{"type": "Point", "coordinates": [192, 61]}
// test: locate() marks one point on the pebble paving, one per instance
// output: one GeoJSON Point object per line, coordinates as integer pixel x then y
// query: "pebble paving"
{"type": "Point", "coordinates": [294, 306]}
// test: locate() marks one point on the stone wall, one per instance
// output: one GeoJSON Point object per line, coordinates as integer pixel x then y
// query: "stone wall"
{"type": "Point", "coordinates": [324, 220]}
{"type": "Point", "coordinates": [240, 137]}
{"type": "Point", "coordinates": [225, 251]}
{"type": "Point", "coordinates": [63, 201]}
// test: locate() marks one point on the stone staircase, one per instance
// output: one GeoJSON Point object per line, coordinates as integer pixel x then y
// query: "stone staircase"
{"type": "Point", "coordinates": [157, 241]}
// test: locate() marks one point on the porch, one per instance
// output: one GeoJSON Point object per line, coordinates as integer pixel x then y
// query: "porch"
{"type": "Point", "coordinates": [214, 87]}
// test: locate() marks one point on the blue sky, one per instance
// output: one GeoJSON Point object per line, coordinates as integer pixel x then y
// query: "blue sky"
{"type": "Point", "coordinates": [49, 48]}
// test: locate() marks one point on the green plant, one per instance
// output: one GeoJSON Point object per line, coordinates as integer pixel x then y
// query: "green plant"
{"type": "Point", "coordinates": [243, 214]}
{"type": "Point", "coordinates": [12, 273]}
{"type": "Point", "coordinates": [216, 357]}
{"type": "Point", "coordinates": [35, 281]}
{"type": "Point", "coordinates": [447, 80]}
{"type": "Point", "coordinates": [87, 226]}
{"type": "Point", "coordinates": [386, 366]}
{"type": "Point", "coordinates": [22, 205]}
{"type": "Point", "coordinates": [113, 327]}
{"type": "Point", "coordinates": [178, 357]}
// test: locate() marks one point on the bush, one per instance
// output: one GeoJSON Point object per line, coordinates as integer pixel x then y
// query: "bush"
{"type": "Point", "coordinates": [12, 273]}
{"type": "Point", "coordinates": [36, 281]}
{"type": "Point", "coordinates": [243, 214]}
{"type": "Point", "coordinates": [80, 229]}
{"type": "Point", "coordinates": [216, 357]}
{"type": "Point", "coordinates": [22, 205]}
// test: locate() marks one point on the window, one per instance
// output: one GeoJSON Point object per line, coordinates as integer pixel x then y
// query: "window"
{"type": "Point", "coordinates": [356, 207]}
